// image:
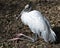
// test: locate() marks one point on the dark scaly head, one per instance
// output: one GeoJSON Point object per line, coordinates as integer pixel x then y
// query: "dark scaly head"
{"type": "Point", "coordinates": [27, 8]}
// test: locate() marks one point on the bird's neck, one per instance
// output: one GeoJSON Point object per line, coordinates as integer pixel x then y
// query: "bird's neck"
{"type": "Point", "coordinates": [24, 11]}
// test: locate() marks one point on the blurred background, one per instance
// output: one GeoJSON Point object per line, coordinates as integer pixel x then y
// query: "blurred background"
{"type": "Point", "coordinates": [9, 26]}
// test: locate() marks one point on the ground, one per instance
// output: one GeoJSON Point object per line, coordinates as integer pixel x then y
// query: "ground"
{"type": "Point", "coordinates": [10, 26]}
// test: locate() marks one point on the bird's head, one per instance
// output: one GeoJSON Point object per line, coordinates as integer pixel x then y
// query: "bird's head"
{"type": "Point", "coordinates": [28, 7]}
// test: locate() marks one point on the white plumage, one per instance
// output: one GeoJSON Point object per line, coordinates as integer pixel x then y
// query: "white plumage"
{"type": "Point", "coordinates": [38, 24]}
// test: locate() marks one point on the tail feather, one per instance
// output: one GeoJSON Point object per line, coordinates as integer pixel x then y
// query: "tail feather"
{"type": "Point", "coordinates": [52, 36]}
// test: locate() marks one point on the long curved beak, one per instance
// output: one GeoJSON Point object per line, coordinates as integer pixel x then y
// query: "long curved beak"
{"type": "Point", "coordinates": [18, 17]}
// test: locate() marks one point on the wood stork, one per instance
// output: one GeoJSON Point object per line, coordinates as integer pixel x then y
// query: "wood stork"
{"type": "Point", "coordinates": [38, 24]}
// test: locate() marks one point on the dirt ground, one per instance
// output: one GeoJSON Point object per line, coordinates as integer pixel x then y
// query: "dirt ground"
{"type": "Point", "coordinates": [9, 26]}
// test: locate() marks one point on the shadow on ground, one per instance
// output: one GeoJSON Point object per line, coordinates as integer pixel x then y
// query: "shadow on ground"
{"type": "Point", "coordinates": [57, 31]}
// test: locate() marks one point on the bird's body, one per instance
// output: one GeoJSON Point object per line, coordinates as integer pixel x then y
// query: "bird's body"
{"type": "Point", "coordinates": [38, 24]}
{"type": "Point", "coordinates": [34, 20]}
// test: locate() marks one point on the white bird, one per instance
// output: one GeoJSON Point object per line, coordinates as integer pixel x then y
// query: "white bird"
{"type": "Point", "coordinates": [38, 24]}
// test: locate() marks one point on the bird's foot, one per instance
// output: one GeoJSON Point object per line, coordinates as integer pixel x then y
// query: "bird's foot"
{"type": "Point", "coordinates": [18, 38]}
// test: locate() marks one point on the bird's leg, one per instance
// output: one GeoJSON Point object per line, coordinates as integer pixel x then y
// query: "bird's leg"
{"type": "Point", "coordinates": [25, 36]}
{"type": "Point", "coordinates": [35, 37]}
{"type": "Point", "coordinates": [39, 35]}
{"type": "Point", "coordinates": [31, 39]}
